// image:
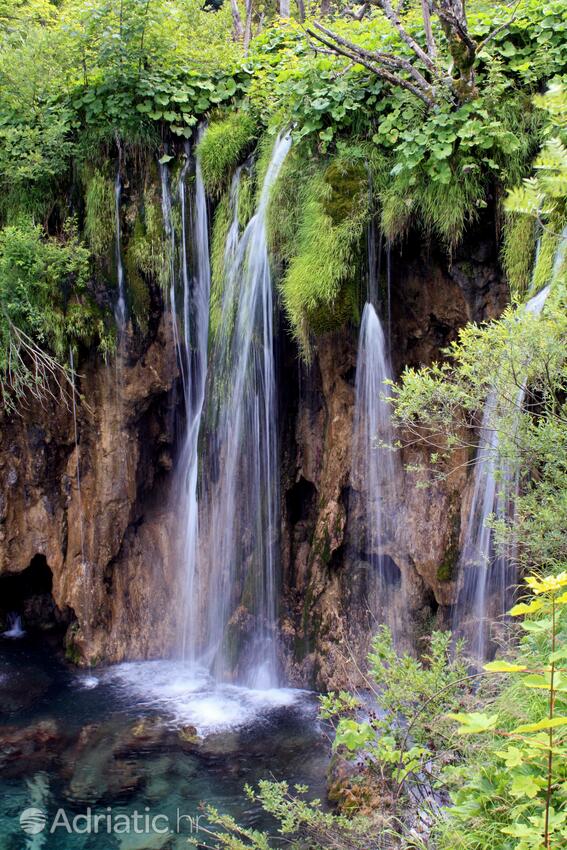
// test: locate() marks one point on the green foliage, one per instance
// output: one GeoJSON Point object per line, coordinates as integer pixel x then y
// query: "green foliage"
{"type": "Point", "coordinates": [100, 224]}
{"type": "Point", "coordinates": [520, 800]}
{"type": "Point", "coordinates": [320, 240]}
{"type": "Point", "coordinates": [221, 225]}
{"type": "Point", "coordinates": [45, 307]}
{"type": "Point", "coordinates": [541, 201]}
{"type": "Point", "coordinates": [222, 147]}
{"type": "Point", "coordinates": [518, 252]}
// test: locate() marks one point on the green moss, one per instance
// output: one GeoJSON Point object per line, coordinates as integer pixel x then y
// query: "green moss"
{"type": "Point", "coordinates": [443, 209]}
{"type": "Point", "coordinates": [222, 147]}
{"type": "Point", "coordinates": [246, 199]}
{"type": "Point", "coordinates": [146, 257]}
{"type": "Point", "coordinates": [99, 213]}
{"type": "Point", "coordinates": [221, 225]}
{"type": "Point", "coordinates": [518, 251]}
{"type": "Point", "coordinates": [329, 207]}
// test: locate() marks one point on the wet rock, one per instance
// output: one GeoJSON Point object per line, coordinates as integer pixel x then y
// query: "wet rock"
{"type": "Point", "coordinates": [24, 750]}
{"type": "Point", "coordinates": [96, 771]}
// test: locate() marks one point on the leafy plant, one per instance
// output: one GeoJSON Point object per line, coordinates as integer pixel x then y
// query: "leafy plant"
{"type": "Point", "coordinates": [530, 775]}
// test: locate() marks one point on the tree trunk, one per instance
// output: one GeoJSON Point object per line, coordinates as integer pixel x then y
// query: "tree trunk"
{"type": "Point", "coordinates": [237, 28]}
{"type": "Point", "coordinates": [248, 26]}
{"type": "Point", "coordinates": [452, 14]}
{"type": "Point", "coordinates": [284, 8]}
{"type": "Point", "coordinates": [301, 10]}
{"type": "Point", "coordinates": [426, 12]}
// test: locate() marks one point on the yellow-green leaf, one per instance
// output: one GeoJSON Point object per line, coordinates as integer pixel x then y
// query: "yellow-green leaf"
{"type": "Point", "coordinates": [504, 667]}
{"type": "Point", "coordinates": [543, 724]}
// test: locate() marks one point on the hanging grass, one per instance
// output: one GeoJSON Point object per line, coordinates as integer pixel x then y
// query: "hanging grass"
{"type": "Point", "coordinates": [223, 146]}
{"type": "Point", "coordinates": [319, 286]}
{"type": "Point", "coordinates": [100, 225]}
{"type": "Point", "coordinates": [518, 251]}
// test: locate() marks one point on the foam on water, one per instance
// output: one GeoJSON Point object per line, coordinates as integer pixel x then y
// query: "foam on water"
{"type": "Point", "coordinates": [189, 695]}
{"type": "Point", "coordinates": [15, 631]}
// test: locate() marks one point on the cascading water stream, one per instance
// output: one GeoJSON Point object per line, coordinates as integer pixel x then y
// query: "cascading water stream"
{"type": "Point", "coordinates": [120, 309]}
{"type": "Point", "coordinates": [238, 574]}
{"type": "Point", "coordinates": [190, 322]}
{"type": "Point", "coordinates": [194, 343]}
{"type": "Point", "coordinates": [489, 576]}
{"type": "Point", "coordinates": [374, 466]}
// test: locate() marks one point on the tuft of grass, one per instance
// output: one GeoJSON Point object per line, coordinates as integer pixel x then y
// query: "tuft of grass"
{"type": "Point", "coordinates": [222, 147]}
{"type": "Point", "coordinates": [319, 287]}
{"type": "Point", "coordinates": [518, 251]}
{"type": "Point", "coordinates": [99, 214]}
{"type": "Point", "coordinates": [443, 209]}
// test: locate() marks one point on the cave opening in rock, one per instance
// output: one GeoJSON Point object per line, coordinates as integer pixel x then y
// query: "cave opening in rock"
{"type": "Point", "coordinates": [27, 595]}
{"type": "Point", "coordinates": [301, 500]}
{"type": "Point", "coordinates": [384, 564]}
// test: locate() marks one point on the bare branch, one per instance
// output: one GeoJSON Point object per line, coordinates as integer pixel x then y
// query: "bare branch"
{"type": "Point", "coordinates": [394, 19]}
{"type": "Point", "coordinates": [387, 63]}
{"type": "Point", "coordinates": [499, 29]}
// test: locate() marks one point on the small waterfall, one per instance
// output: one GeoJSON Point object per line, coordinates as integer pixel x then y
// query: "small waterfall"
{"type": "Point", "coordinates": [488, 576]}
{"type": "Point", "coordinates": [15, 629]}
{"type": "Point", "coordinates": [120, 309]}
{"type": "Point", "coordinates": [238, 575]}
{"type": "Point", "coordinates": [374, 466]}
{"type": "Point", "coordinates": [193, 344]}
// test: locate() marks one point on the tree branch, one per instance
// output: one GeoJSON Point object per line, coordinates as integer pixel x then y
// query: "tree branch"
{"type": "Point", "coordinates": [422, 87]}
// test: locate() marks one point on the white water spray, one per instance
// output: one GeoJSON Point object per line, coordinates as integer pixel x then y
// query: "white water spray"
{"type": "Point", "coordinates": [374, 466]}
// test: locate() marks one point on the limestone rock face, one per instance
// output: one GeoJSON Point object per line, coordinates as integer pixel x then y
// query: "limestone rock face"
{"type": "Point", "coordinates": [109, 544]}
{"type": "Point", "coordinates": [328, 578]}
{"type": "Point", "coordinates": [105, 541]}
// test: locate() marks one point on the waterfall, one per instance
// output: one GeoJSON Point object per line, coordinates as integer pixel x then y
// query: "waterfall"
{"type": "Point", "coordinates": [189, 294]}
{"type": "Point", "coordinates": [193, 344]}
{"type": "Point", "coordinates": [488, 576]}
{"type": "Point", "coordinates": [374, 466]}
{"type": "Point", "coordinates": [238, 570]}
{"type": "Point", "coordinates": [120, 309]}
{"type": "Point", "coordinates": [15, 628]}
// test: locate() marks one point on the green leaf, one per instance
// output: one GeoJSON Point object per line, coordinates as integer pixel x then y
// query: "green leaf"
{"type": "Point", "coordinates": [524, 786]}
{"type": "Point", "coordinates": [523, 608]}
{"type": "Point", "coordinates": [504, 667]}
{"type": "Point", "coordinates": [512, 756]}
{"type": "Point", "coordinates": [543, 724]}
{"type": "Point", "coordinates": [165, 159]}
{"type": "Point", "coordinates": [474, 723]}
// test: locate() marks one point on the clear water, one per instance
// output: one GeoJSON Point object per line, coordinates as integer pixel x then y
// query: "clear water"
{"type": "Point", "coordinates": [238, 565]}
{"type": "Point", "coordinates": [122, 741]}
{"type": "Point", "coordinates": [375, 469]}
{"type": "Point", "coordinates": [120, 308]}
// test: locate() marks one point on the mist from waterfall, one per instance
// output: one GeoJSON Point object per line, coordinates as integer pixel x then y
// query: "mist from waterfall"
{"type": "Point", "coordinates": [488, 575]}
{"type": "Point", "coordinates": [374, 468]}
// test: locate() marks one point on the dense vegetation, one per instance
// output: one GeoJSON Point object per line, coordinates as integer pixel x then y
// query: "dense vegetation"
{"type": "Point", "coordinates": [89, 88]}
